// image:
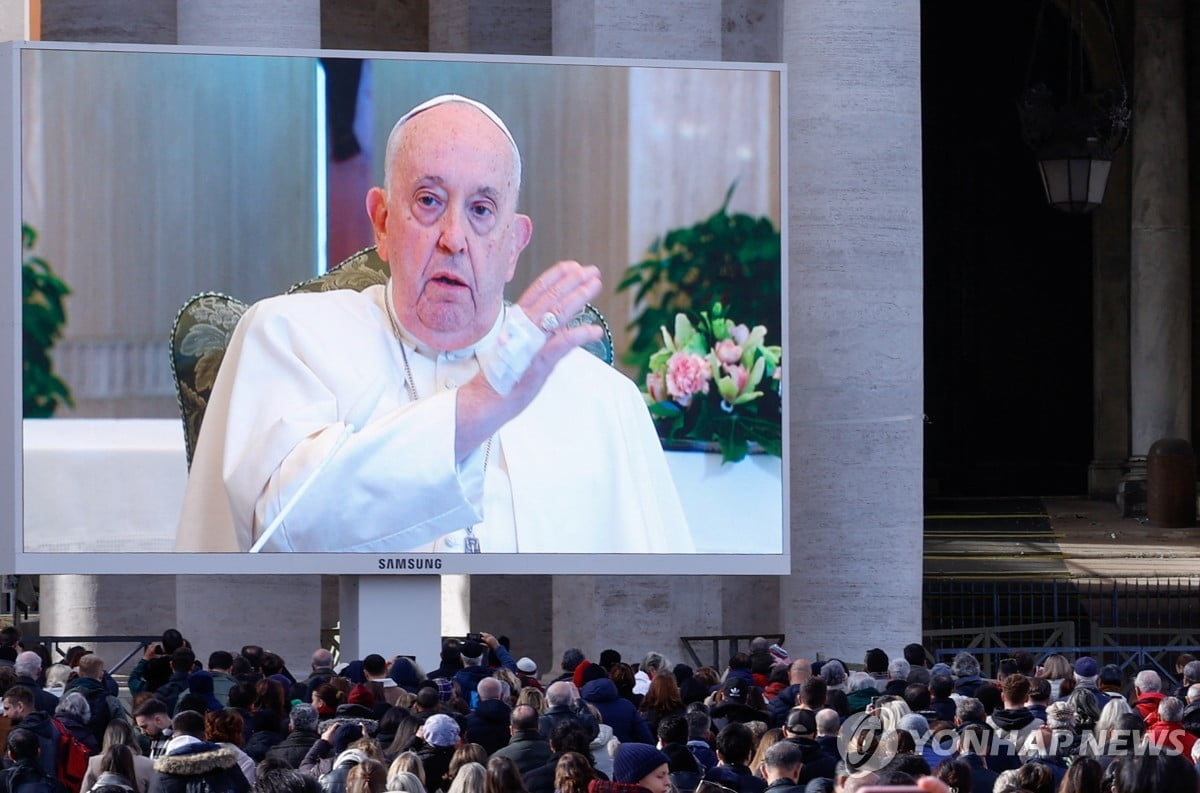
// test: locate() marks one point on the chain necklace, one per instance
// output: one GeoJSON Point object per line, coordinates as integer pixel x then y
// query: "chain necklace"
{"type": "Point", "coordinates": [471, 544]}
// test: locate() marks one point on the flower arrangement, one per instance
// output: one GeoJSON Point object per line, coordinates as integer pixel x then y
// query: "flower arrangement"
{"type": "Point", "coordinates": [716, 380]}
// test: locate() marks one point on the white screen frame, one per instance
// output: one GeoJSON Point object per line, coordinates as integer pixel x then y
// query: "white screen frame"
{"type": "Point", "coordinates": [12, 553]}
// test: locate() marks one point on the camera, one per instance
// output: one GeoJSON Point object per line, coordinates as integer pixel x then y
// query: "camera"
{"type": "Point", "coordinates": [475, 637]}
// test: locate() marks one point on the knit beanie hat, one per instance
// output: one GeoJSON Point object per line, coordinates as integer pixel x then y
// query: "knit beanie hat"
{"type": "Point", "coordinates": [634, 761]}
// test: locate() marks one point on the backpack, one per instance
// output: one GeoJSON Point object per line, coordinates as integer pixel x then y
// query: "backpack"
{"type": "Point", "coordinates": [70, 759]}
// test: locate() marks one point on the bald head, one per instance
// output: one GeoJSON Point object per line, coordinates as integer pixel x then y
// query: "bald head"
{"type": "Point", "coordinates": [799, 672]}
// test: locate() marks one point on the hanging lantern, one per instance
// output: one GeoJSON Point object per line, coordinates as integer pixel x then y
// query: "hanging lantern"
{"type": "Point", "coordinates": [1076, 130]}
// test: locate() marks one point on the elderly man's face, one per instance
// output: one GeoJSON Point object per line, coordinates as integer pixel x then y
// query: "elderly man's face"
{"type": "Point", "coordinates": [447, 224]}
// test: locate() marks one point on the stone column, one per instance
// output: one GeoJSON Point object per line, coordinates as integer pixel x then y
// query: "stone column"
{"type": "Point", "coordinates": [1160, 282]}
{"type": "Point", "coordinates": [855, 352]}
{"type": "Point", "coordinates": [14, 20]}
{"type": "Point", "coordinates": [521, 27]}
{"type": "Point", "coordinates": [682, 29]}
{"type": "Point", "coordinates": [250, 23]}
{"type": "Point", "coordinates": [1110, 333]}
{"type": "Point", "coordinates": [135, 21]}
{"type": "Point", "coordinates": [1160, 244]}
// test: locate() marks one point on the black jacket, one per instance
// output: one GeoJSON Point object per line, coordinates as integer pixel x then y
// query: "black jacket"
{"type": "Point", "coordinates": [293, 748]}
{"type": "Point", "coordinates": [199, 768]}
{"type": "Point", "coordinates": [487, 725]}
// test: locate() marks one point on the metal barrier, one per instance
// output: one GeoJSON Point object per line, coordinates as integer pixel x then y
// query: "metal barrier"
{"type": "Point", "coordinates": [733, 646]}
{"type": "Point", "coordinates": [57, 643]}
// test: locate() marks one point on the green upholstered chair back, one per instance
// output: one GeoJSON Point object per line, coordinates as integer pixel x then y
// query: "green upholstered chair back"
{"type": "Point", "coordinates": [205, 323]}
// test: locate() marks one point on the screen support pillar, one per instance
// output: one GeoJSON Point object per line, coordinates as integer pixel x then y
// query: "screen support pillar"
{"type": "Point", "coordinates": [391, 615]}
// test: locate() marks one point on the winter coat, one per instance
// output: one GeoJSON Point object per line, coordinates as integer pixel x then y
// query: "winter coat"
{"type": "Point", "coordinates": [487, 725]}
{"type": "Point", "coordinates": [527, 749]}
{"type": "Point", "coordinates": [615, 711]}
{"type": "Point", "coordinates": [293, 748]}
{"type": "Point", "coordinates": [1014, 726]}
{"type": "Point", "coordinates": [200, 767]}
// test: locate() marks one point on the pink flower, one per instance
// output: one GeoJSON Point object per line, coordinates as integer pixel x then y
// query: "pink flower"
{"type": "Point", "coordinates": [740, 333]}
{"type": "Point", "coordinates": [739, 375]}
{"type": "Point", "coordinates": [728, 351]}
{"type": "Point", "coordinates": [656, 386]}
{"type": "Point", "coordinates": [687, 374]}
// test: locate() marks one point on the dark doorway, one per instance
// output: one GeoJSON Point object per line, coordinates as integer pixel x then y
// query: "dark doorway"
{"type": "Point", "coordinates": [1008, 283]}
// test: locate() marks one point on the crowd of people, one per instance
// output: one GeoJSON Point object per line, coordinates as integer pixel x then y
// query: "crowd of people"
{"type": "Point", "coordinates": [487, 722]}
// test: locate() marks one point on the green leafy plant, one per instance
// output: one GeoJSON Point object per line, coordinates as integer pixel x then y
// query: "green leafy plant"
{"type": "Point", "coordinates": [716, 381]}
{"type": "Point", "coordinates": [732, 259]}
{"type": "Point", "coordinates": [43, 317]}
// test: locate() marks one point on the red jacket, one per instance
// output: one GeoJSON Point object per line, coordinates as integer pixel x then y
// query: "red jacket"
{"type": "Point", "coordinates": [1172, 736]}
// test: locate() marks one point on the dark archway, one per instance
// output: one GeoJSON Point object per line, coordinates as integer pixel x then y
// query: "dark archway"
{"type": "Point", "coordinates": [1008, 280]}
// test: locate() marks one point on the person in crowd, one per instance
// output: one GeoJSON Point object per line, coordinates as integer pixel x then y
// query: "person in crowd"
{"type": "Point", "coordinates": [154, 667]}
{"type": "Point", "coordinates": [475, 668]}
{"type": "Point", "coordinates": [782, 765]}
{"type": "Point", "coordinates": [25, 771]}
{"type": "Point", "coordinates": [641, 765]}
{"type": "Point", "coordinates": [121, 732]}
{"type": "Point", "coordinates": [662, 699]}
{"type": "Point", "coordinates": [73, 713]}
{"type": "Point", "coordinates": [967, 680]}
{"type": "Point", "coordinates": [368, 776]}
{"type": "Point", "coordinates": [19, 707]}
{"type": "Point", "coordinates": [182, 660]}
{"type": "Point", "coordinates": [193, 765]}
{"type": "Point", "coordinates": [1014, 722]}
{"type": "Point", "coordinates": [526, 747]}
{"type": "Point", "coordinates": [1147, 690]}
{"type": "Point", "coordinates": [28, 666]}
{"type": "Point", "coordinates": [488, 724]}
{"type": "Point", "coordinates": [1058, 670]}
{"type": "Point", "coordinates": [302, 734]}
{"type": "Point", "coordinates": [226, 729]}
{"type": "Point", "coordinates": [799, 673]}
{"type": "Point", "coordinates": [471, 778]}
{"type": "Point", "coordinates": [502, 777]}
{"type": "Point", "coordinates": [573, 774]}
{"type": "Point", "coordinates": [735, 746]}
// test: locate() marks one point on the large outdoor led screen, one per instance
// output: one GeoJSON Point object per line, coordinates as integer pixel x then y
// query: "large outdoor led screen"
{"type": "Point", "coordinates": [154, 174]}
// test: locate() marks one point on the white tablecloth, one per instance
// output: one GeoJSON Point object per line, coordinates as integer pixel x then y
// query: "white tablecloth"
{"type": "Point", "coordinates": [108, 485]}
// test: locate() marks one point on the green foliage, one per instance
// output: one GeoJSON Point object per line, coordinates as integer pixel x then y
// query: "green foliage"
{"type": "Point", "coordinates": [44, 316]}
{"type": "Point", "coordinates": [728, 259]}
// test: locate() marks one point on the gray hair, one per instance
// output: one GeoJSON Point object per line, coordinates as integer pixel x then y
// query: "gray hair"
{"type": "Point", "coordinates": [858, 681]}
{"type": "Point", "coordinates": [560, 694]}
{"type": "Point", "coordinates": [828, 721]}
{"type": "Point", "coordinates": [28, 664]}
{"type": "Point", "coordinates": [57, 675]}
{"type": "Point", "coordinates": [965, 665]}
{"type": "Point", "coordinates": [915, 724]}
{"type": "Point", "coordinates": [1191, 670]}
{"type": "Point", "coordinates": [1115, 707]}
{"type": "Point", "coordinates": [784, 754]}
{"type": "Point", "coordinates": [969, 709]}
{"type": "Point", "coordinates": [304, 717]}
{"type": "Point", "coordinates": [899, 669]}
{"type": "Point", "coordinates": [1170, 709]}
{"type": "Point", "coordinates": [489, 688]}
{"type": "Point", "coordinates": [1148, 681]}
{"type": "Point", "coordinates": [833, 673]}
{"type": "Point", "coordinates": [322, 659]}
{"type": "Point", "coordinates": [1193, 692]}
{"type": "Point", "coordinates": [75, 704]}
{"type": "Point", "coordinates": [654, 662]}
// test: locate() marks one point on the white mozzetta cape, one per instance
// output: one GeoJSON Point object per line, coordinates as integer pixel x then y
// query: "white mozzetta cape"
{"type": "Point", "coordinates": [585, 467]}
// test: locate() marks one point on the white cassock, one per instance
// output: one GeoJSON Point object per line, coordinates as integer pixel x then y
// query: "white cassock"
{"type": "Point", "coordinates": [580, 470]}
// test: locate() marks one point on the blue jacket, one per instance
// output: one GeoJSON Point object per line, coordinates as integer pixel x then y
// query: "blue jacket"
{"type": "Point", "coordinates": [617, 712]}
{"type": "Point", "coordinates": [469, 676]}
